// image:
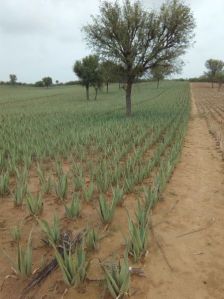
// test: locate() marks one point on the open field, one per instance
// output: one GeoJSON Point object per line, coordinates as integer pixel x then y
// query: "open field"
{"type": "Point", "coordinates": [210, 104]}
{"type": "Point", "coordinates": [58, 146]}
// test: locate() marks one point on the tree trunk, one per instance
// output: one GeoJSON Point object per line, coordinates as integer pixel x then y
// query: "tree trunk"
{"type": "Point", "coordinates": [96, 90]}
{"type": "Point", "coordinates": [128, 98]}
{"type": "Point", "coordinates": [107, 86]}
{"type": "Point", "coordinates": [157, 83]}
{"type": "Point", "coordinates": [87, 92]}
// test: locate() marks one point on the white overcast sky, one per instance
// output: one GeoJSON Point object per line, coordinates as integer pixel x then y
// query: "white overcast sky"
{"type": "Point", "coordinates": [43, 37]}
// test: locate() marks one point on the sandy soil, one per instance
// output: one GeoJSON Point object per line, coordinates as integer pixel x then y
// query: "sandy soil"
{"type": "Point", "coordinates": [187, 259]}
{"type": "Point", "coordinates": [186, 256]}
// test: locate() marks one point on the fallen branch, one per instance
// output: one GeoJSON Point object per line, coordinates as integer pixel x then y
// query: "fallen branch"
{"type": "Point", "coordinates": [161, 249]}
{"type": "Point", "coordinates": [65, 243]}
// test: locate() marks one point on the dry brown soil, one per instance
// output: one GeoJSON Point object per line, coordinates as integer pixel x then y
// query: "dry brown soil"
{"type": "Point", "coordinates": [192, 236]}
{"type": "Point", "coordinates": [186, 253]}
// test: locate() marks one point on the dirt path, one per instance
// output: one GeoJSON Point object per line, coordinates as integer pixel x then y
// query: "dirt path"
{"type": "Point", "coordinates": [191, 265]}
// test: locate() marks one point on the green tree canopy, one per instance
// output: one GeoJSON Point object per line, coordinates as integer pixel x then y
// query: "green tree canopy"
{"type": "Point", "coordinates": [47, 81]}
{"type": "Point", "coordinates": [137, 39]}
{"type": "Point", "coordinates": [89, 72]}
{"type": "Point", "coordinates": [215, 68]}
{"type": "Point", "coordinates": [109, 72]}
{"type": "Point", "coordinates": [39, 84]}
{"type": "Point", "coordinates": [161, 71]}
{"type": "Point", "coordinates": [12, 78]}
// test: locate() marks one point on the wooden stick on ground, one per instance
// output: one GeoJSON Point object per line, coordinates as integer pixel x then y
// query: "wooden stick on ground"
{"type": "Point", "coordinates": [67, 243]}
{"type": "Point", "coordinates": [161, 249]}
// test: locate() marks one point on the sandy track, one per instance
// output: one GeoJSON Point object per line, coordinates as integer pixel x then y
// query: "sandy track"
{"type": "Point", "coordinates": [192, 265]}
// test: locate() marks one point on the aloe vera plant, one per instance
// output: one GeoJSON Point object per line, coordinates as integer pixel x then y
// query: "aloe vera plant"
{"type": "Point", "coordinates": [73, 211]}
{"type": "Point", "coordinates": [45, 181]}
{"type": "Point", "coordinates": [151, 196]}
{"type": "Point", "coordinates": [23, 264]}
{"type": "Point", "coordinates": [118, 195]}
{"type": "Point", "coordinates": [73, 266]}
{"type": "Point", "coordinates": [142, 215]}
{"type": "Point", "coordinates": [106, 210]}
{"type": "Point", "coordinates": [61, 187]}
{"type": "Point", "coordinates": [4, 184]}
{"type": "Point", "coordinates": [52, 231]}
{"type": "Point", "coordinates": [91, 239]}
{"type": "Point", "coordinates": [16, 233]}
{"type": "Point", "coordinates": [117, 278]}
{"type": "Point", "coordinates": [88, 191]}
{"type": "Point", "coordinates": [19, 193]}
{"type": "Point", "coordinates": [137, 243]}
{"type": "Point", "coordinates": [34, 204]}
{"type": "Point", "coordinates": [78, 182]}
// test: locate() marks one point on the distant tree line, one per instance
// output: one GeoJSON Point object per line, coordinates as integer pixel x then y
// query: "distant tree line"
{"type": "Point", "coordinates": [214, 73]}
{"type": "Point", "coordinates": [130, 44]}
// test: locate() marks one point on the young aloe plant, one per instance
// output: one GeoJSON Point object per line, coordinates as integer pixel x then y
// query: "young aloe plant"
{"type": "Point", "coordinates": [142, 215]}
{"type": "Point", "coordinates": [23, 263]}
{"type": "Point", "coordinates": [44, 181]}
{"type": "Point", "coordinates": [78, 182]}
{"type": "Point", "coordinates": [34, 204]}
{"type": "Point", "coordinates": [58, 168]}
{"type": "Point", "coordinates": [16, 233]}
{"type": "Point", "coordinates": [88, 191]}
{"type": "Point", "coordinates": [118, 195]}
{"type": "Point", "coordinates": [73, 211]}
{"type": "Point", "coordinates": [138, 240]}
{"type": "Point", "coordinates": [4, 184]}
{"type": "Point", "coordinates": [117, 278]}
{"type": "Point", "coordinates": [106, 210]}
{"type": "Point", "coordinates": [91, 239]}
{"type": "Point", "coordinates": [151, 196]}
{"type": "Point", "coordinates": [46, 185]}
{"type": "Point", "coordinates": [52, 231]}
{"type": "Point", "coordinates": [19, 193]}
{"type": "Point", "coordinates": [61, 188]}
{"type": "Point", "coordinates": [73, 266]}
